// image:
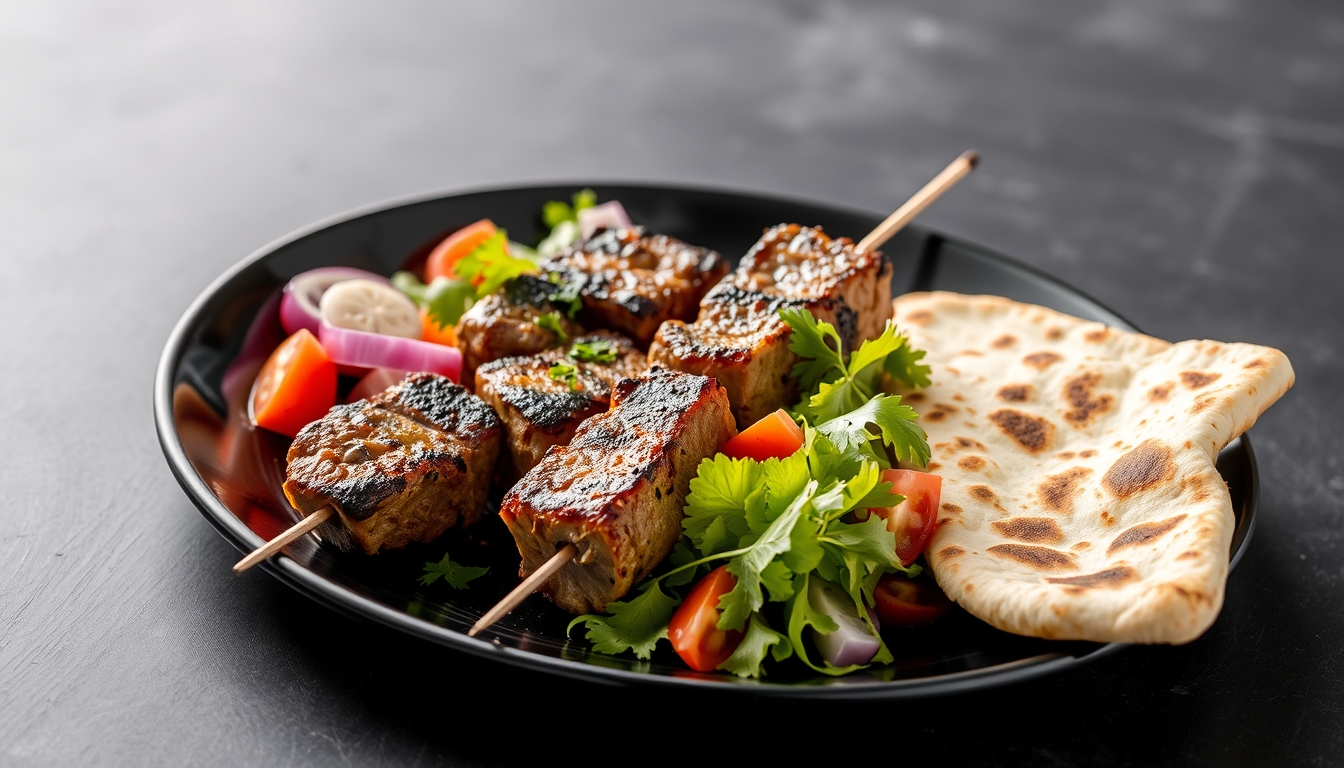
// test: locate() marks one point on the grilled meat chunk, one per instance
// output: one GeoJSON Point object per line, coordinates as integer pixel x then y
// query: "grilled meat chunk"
{"type": "Point", "coordinates": [503, 324]}
{"type": "Point", "coordinates": [632, 282]}
{"type": "Point", "coordinates": [404, 465]}
{"type": "Point", "coordinates": [539, 411]}
{"type": "Point", "coordinates": [739, 339]}
{"type": "Point", "coordinates": [618, 489]}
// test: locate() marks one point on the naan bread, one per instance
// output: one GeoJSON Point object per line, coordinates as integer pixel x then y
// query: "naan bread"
{"type": "Point", "coordinates": [1080, 498]}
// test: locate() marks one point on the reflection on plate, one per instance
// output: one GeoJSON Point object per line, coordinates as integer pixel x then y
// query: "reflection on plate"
{"type": "Point", "coordinates": [233, 472]}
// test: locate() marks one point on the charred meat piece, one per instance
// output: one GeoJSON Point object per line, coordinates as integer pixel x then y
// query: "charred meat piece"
{"type": "Point", "coordinates": [740, 340]}
{"type": "Point", "coordinates": [632, 282]}
{"type": "Point", "coordinates": [738, 337]}
{"type": "Point", "coordinates": [402, 466]}
{"type": "Point", "coordinates": [503, 324]}
{"type": "Point", "coordinates": [797, 262]}
{"type": "Point", "coordinates": [618, 489]}
{"type": "Point", "coordinates": [539, 410]}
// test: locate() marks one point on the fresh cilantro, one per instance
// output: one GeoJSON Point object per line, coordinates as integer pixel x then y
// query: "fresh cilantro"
{"type": "Point", "coordinates": [566, 373]}
{"type": "Point", "coordinates": [457, 576]}
{"type": "Point", "coordinates": [551, 322]}
{"type": "Point", "coordinates": [490, 266]}
{"type": "Point", "coordinates": [630, 625]}
{"type": "Point", "coordinates": [566, 293]}
{"type": "Point", "coordinates": [594, 351]}
{"type": "Point", "coordinates": [718, 508]}
{"type": "Point", "coordinates": [444, 299]}
{"type": "Point", "coordinates": [554, 212]}
{"type": "Point", "coordinates": [895, 426]}
{"type": "Point", "coordinates": [759, 640]}
{"type": "Point", "coordinates": [737, 605]}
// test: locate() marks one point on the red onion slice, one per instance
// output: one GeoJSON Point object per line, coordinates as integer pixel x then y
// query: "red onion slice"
{"type": "Point", "coordinates": [303, 294]}
{"type": "Point", "coordinates": [852, 643]}
{"type": "Point", "coordinates": [609, 215]}
{"type": "Point", "coordinates": [358, 349]}
{"type": "Point", "coordinates": [376, 381]}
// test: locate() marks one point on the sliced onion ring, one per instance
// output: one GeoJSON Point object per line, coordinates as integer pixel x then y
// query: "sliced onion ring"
{"type": "Point", "coordinates": [851, 643]}
{"type": "Point", "coordinates": [358, 349]}
{"type": "Point", "coordinates": [609, 215]}
{"type": "Point", "coordinates": [303, 293]}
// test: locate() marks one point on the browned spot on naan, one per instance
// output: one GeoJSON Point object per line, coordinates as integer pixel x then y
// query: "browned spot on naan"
{"type": "Point", "coordinates": [939, 412]}
{"type": "Point", "coordinates": [919, 318]}
{"type": "Point", "coordinates": [951, 509]}
{"type": "Point", "coordinates": [1142, 533]}
{"type": "Point", "coordinates": [1188, 555]}
{"type": "Point", "coordinates": [1097, 336]}
{"type": "Point", "coordinates": [1055, 334]}
{"type": "Point", "coordinates": [1057, 491]}
{"type": "Point", "coordinates": [1041, 360]}
{"type": "Point", "coordinates": [1082, 545]}
{"type": "Point", "coordinates": [1197, 379]}
{"type": "Point", "coordinates": [1161, 392]}
{"type": "Point", "coordinates": [1065, 455]}
{"type": "Point", "coordinates": [1256, 363]}
{"type": "Point", "coordinates": [949, 552]}
{"type": "Point", "coordinates": [933, 465]}
{"type": "Point", "coordinates": [916, 397]}
{"type": "Point", "coordinates": [1040, 558]}
{"type": "Point", "coordinates": [969, 588]}
{"type": "Point", "coordinates": [1086, 404]}
{"type": "Point", "coordinates": [1111, 577]}
{"type": "Point", "coordinates": [1148, 465]}
{"type": "Point", "coordinates": [971, 463]}
{"type": "Point", "coordinates": [1196, 486]}
{"type": "Point", "coordinates": [984, 493]}
{"type": "Point", "coordinates": [1003, 342]}
{"type": "Point", "coordinates": [1030, 432]}
{"type": "Point", "coordinates": [1015, 393]}
{"type": "Point", "coordinates": [1032, 529]}
{"type": "Point", "coordinates": [1089, 453]}
{"type": "Point", "coordinates": [1108, 519]}
{"type": "Point", "coordinates": [1202, 403]}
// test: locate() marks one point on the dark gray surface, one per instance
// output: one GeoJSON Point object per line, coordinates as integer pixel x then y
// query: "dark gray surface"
{"type": "Point", "coordinates": [1182, 162]}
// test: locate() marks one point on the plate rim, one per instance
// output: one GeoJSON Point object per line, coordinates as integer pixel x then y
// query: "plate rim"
{"type": "Point", "coordinates": [351, 604]}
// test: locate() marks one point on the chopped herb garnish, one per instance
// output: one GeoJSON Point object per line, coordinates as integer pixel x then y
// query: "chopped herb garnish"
{"type": "Point", "coordinates": [594, 351]}
{"type": "Point", "coordinates": [551, 322]}
{"type": "Point", "coordinates": [565, 372]}
{"type": "Point", "coordinates": [457, 576]}
{"type": "Point", "coordinates": [444, 300]}
{"type": "Point", "coordinates": [566, 293]}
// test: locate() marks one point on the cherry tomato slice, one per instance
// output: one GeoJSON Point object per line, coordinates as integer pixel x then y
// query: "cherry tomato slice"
{"type": "Point", "coordinates": [913, 520]}
{"type": "Point", "coordinates": [902, 602]}
{"type": "Point", "coordinates": [462, 242]}
{"type": "Point", "coordinates": [694, 630]}
{"type": "Point", "coordinates": [297, 385]}
{"type": "Point", "coordinates": [775, 436]}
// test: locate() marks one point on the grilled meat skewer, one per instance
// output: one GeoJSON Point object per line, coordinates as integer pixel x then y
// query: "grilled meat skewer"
{"type": "Point", "coordinates": [402, 466]}
{"type": "Point", "coordinates": [539, 411]}
{"type": "Point", "coordinates": [503, 324]}
{"type": "Point", "coordinates": [617, 491]}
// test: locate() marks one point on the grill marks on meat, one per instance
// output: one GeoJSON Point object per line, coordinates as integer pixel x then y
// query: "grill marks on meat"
{"type": "Point", "coordinates": [538, 411]}
{"type": "Point", "coordinates": [618, 489]}
{"type": "Point", "coordinates": [503, 324]}
{"type": "Point", "coordinates": [632, 282]}
{"type": "Point", "coordinates": [739, 339]}
{"type": "Point", "coordinates": [403, 466]}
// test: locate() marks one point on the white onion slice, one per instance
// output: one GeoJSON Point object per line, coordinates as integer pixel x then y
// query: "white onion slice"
{"type": "Point", "coordinates": [609, 215]}
{"type": "Point", "coordinates": [357, 349]}
{"type": "Point", "coordinates": [299, 307]}
{"type": "Point", "coordinates": [852, 643]}
{"type": "Point", "coordinates": [372, 307]}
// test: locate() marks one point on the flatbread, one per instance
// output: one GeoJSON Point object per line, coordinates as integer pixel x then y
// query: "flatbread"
{"type": "Point", "coordinates": [1080, 498]}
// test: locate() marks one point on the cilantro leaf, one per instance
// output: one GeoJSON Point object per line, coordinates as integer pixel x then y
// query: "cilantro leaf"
{"type": "Point", "coordinates": [594, 351]}
{"type": "Point", "coordinates": [565, 293]}
{"type": "Point", "coordinates": [444, 299]}
{"type": "Point", "coordinates": [759, 640]}
{"type": "Point", "coordinates": [724, 494]}
{"type": "Point", "coordinates": [895, 423]}
{"type": "Point", "coordinates": [566, 373]}
{"type": "Point", "coordinates": [903, 365]}
{"type": "Point", "coordinates": [745, 597]}
{"type": "Point", "coordinates": [551, 322]}
{"type": "Point", "coordinates": [490, 266]}
{"type": "Point", "coordinates": [817, 343]}
{"type": "Point", "coordinates": [457, 576]}
{"type": "Point", "coordinates": [630, 625]}
{"type": "Point", "coordinates": [553, 212]}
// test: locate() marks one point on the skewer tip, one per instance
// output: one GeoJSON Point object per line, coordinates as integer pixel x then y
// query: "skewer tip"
{"type": "Point", "coordinates": [971, 156]}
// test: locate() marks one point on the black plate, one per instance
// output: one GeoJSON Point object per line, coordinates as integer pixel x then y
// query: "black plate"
{"type": "Point", "coordinates": [233, 473]}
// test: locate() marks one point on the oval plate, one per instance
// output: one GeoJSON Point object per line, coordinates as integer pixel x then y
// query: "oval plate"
{"type": "Point", "coordinates": [233, 472]}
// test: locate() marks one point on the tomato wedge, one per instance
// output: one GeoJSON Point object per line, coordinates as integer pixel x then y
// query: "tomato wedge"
{"type": "Point", "coordinates": [694, 629]}
{"type": "Point", "coordinates": [297, 385]}
{"type": "Point", "coordinates": [775, 436]}
{"type": "Point", "coordinates": [902, 602]}
{"type": "Point", "coordinates": [913, 520]}
{"type": "Point", "coordinates": [455, 246]}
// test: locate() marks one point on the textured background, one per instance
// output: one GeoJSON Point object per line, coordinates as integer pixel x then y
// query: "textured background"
{"type": "Point", "coordinates": [1183, 162]}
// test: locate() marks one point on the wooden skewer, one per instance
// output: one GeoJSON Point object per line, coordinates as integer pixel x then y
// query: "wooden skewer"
{"type": "Point", "coordinates": [931, 191]}
{"type": "Point", "coordinates": [526, 588]}
{"type": "Point", "coordinates": [294, 533]}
